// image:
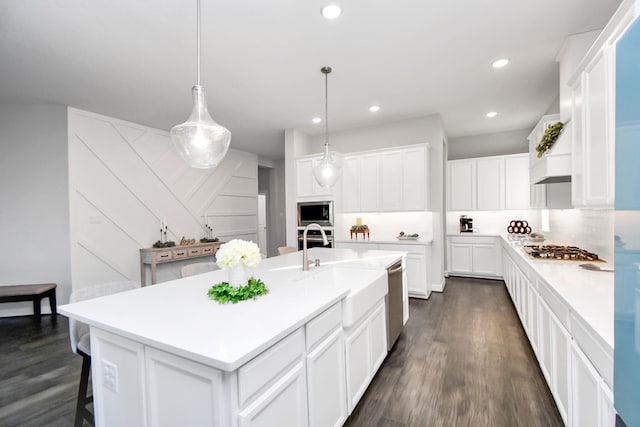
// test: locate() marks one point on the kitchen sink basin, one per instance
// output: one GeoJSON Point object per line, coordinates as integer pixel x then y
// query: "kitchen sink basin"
{"type": "Point", "coordinates": [367, 287]}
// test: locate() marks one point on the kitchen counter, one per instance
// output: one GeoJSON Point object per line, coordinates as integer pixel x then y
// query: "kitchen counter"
{"type": "Point", "coordinates": [388, 240]}
{"type": "Point", "coordinates": [178, 317]}
{"type": "Point", "coordinates": [589, 294]}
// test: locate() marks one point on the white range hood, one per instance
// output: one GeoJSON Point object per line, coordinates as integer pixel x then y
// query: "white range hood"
{"type": "Point", "coordinates": [555, 165]}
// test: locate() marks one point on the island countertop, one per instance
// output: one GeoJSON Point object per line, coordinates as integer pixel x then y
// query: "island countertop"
{"type": "Point", "coordinates": [178, 317]}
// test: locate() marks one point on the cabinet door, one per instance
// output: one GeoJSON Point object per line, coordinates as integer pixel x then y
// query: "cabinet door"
{"type": "Point", "coordinates": [461, 258]}
{"type": "Point", "coordinates": [484, 259]}
{"type": "Point", "coordinates": [358, 363]}
{"type": "Point", "coordinates": [561, 373]}
{"type": "Point", "coordinates": [326, 382]}
{"type": "Point", "coordinates": [607, 411]}
{"type": "Point", "coordinates": [283, 404]}
{"type": "Point", "coordinates": [391, 181]}
{"type": "Point", "coordinates": [544, 343]}
{"type": "Point", "coordinates": [304, 177]}
{"type": "Point", "coordinates": [461, 185]}
{"type": "Point", "coordinates": [596, 137]}
{"type": "Point", "coordinates": [378, 331]}
{"type": "Point", "coordinates": [369, 186]}
{"type": "Point", "coordinates": [351, 184]}
{"type": "Point", "coordinates": [414, 177]}
{"type": "Point", "coordinates": [490, 184]}
{"type": "Point", "coordinates": [577, 143]}
{"type": "Point", "coordinates": [517, 182]}
{"type": "Point", "coordinates": [417, 274]}
{"type": "Point", "coordinates": [585, 385]}
{"type": "Point", "coordinates": [533, 317]}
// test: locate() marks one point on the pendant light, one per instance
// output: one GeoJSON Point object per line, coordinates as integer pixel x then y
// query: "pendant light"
{"type": "Point", "coordinates": [327, 171]}
{"type": "Point", "coordinates": [201, 142]}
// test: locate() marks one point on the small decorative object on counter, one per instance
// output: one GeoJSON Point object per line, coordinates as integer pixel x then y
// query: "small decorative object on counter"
{"type": "Point", "coordinates": [536, 237]}
{"type": "Point", "coordinates": [237, 256]}
{"type": "Point", "coordinates": [208, 240]}
{"type": "Point", "coordinates": [518, 226]}
{"type": "Point", "coordinates": [360, 229]}
{"type": "Point", "coordinates": [184, 241]}
{"type": "Point", "coordinates": [161, 244]}
{"type": "Point", "coordinates": [403, 236]}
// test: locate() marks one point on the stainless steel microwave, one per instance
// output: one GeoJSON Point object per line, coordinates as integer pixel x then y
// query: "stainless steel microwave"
{"type": "Point", "coordinates": [320, 213]}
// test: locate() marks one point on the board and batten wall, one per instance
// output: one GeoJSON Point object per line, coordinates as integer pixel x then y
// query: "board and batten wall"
{"type": "Point", "coordinates": [34, 213]}
{"type": "Point", "coordinates": [124, 178]}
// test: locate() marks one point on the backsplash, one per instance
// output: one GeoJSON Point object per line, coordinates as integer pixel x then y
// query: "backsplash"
{"type": "Point", "coordinates": [492, 222]}
{"type": "Point", "coordinates": [590, 229]}
{"type": "Point", "coordinates": [385, 225]}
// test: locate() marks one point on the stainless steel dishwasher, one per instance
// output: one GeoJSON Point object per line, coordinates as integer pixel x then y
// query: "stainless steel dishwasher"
{"type": "Point", "coordinates": [393, 304]}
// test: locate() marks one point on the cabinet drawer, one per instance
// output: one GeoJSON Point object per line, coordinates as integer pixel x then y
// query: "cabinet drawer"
{"type": "Point", "coordinates": [265, 369]}
{"type": "Point", "coordinates": [179, 253]}
{"type": "Point", "coordinates": [207, 250]}
{"type": "Point", "coordinates": [412, 249]}
{"type": "Point", "coordinates": [488, 240]}
{"type": "Point", "coordinates": [591, 346]}
{"type": "Point", "coordinates": [163, 256]}
{"type": "Point", "coordinates": [194, 251]}
{"type": "Point", "coordinates": [557, 306]}
{"type": "Point", "coordinates": [323, 325]}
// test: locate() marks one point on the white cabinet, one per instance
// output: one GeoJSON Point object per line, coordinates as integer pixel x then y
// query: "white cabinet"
{"type": "Point", "coordinates": [365, 349]}
{"type": "Point", "coordinates": [461, 188]}
{"type": "Point", "coordinates": [306, 184]}
{"type": "Point", "coordinates": [475, 256]}
{"type": "Point", "coordinates": [560, 366]}
{"type": "Point", "coordinates": [416, 267]}
{"type": "Point", "coordinates": [489, 183]}
{"type": "Point", "coordinates": [386, 180]}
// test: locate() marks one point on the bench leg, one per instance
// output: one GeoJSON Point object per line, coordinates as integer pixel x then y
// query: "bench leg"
{"type": "Point", "coordinates": [53, 305]}
{"type": "Point", "coordinates": [36, 308]}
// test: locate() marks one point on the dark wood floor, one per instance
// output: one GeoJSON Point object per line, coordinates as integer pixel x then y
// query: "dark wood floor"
{"type": "Point", "coordinates": [462, 360]}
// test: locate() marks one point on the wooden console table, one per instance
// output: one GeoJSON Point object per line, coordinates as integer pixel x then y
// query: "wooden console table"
{"type": "Point", "coordinates": [155, 256]}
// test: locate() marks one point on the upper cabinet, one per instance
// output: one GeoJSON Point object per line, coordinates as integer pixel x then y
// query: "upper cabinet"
{"type": "Point", "coordinates": [307, 186]}
{"type": "Point", "coordinates": [488, 183]}
{"type": "Point", "coordinates": [392, 180]}
{"type": "Point", "coordinates": [593, 112]}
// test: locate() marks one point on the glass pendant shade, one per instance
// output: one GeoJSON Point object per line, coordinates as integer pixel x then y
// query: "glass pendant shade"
{"type": "Point", "coordinates": [327, 171]}
{"type": "Point", "coordinates": [201, 142]}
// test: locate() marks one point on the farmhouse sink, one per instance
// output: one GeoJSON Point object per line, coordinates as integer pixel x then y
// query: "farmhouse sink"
{"type": "Point", "coordinates": [366, 286]}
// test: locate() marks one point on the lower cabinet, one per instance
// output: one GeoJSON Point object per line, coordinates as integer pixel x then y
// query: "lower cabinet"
{"type": "Point", "coordinates": [365, 349]}
{"type": "Point", "coordinates": [475, 256]}
{"type": "Point", "coordinates": [580, 393]}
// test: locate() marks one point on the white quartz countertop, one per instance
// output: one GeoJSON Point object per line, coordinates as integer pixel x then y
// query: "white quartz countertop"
{"type": "Point", "coordinates": [589, 294]}
{"type": "Point", "coordinates": [427, 240]}
{"type": "Point", "coordinates": [178, 317]}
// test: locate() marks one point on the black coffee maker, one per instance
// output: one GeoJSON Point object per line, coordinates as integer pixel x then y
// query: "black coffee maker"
{"type": "Point", "coordinates": [466, 224]}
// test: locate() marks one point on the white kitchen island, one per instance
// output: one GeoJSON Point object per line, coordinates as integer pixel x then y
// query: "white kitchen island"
{"type": "Point", "coordinates": [301, 355]}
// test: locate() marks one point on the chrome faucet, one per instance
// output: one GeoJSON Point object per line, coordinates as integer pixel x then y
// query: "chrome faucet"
{"type": "Point", "coordinates": [305, 254]}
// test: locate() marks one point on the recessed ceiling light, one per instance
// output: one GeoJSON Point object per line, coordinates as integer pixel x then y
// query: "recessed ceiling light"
{"type": "Point", "coordinates": [491, 114]}
{"type": "Point", "coordinates": [331, 11]}
{"type": "Point", "coordinates": [316, 120]}
{"type": "Point", "coordinates": [374, 108]}
{"type": "Point", "coordinates": [499, 63]}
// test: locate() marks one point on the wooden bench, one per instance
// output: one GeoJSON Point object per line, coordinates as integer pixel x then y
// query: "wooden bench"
{"type": "Point", "coordinates": [33, 293]}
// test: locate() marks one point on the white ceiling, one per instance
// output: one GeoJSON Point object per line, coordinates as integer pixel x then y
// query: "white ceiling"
{"type": "Point", "coordinates": [135, 60]}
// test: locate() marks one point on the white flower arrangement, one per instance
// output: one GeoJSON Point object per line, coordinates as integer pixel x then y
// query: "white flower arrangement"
{"type": "Point", "coordinates": [238, 253]}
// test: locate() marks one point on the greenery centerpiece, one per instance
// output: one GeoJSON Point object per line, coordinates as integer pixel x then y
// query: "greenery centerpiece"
{"type": "Point", "coordinates": [237, 256]}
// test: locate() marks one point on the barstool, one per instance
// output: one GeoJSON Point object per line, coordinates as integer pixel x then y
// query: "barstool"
{"type": "Point", "coordinates": [81, 344]}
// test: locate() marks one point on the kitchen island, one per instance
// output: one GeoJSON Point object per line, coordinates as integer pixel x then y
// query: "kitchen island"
{"type": "Point", "coordinates": [301, 355]}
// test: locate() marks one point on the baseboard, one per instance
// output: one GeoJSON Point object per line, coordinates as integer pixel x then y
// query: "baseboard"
{"type": "Point", "coordinates": [439, 287]}
{"type": "Point", "coordinates": [419, 295]}
{"type": "Point", "coordinates": [476, 276]}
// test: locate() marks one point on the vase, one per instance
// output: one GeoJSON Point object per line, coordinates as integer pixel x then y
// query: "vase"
{"type": "Point", "coordinates": [238, 276]}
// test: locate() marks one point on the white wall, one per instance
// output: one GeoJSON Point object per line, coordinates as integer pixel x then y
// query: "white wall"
{"type": "Point", "coordinates": [493, 144]}
{"type": "Point", "coordinates": [493, 222]}
{"type": "Point", "coordinates": [590, 229]}
{"type": "Point", "coordinates": [125, 178]}
{"type": "Point", "coordinates": [34, 213]}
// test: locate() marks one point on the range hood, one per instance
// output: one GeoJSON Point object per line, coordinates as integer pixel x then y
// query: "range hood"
{"type": "Point", "coordinates": [555, 165]}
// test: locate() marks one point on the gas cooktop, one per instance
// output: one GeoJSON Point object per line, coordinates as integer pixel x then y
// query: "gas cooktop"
{"type": "Point", "coordinates": [561, 253]}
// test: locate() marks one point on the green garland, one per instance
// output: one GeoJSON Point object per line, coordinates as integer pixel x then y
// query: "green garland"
{"type": "Point", "coordinates": [549, 138]}
{"type": "Point", "coordinates": [224, 293]}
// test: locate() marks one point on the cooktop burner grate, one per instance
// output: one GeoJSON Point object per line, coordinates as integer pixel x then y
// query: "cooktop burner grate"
{"type": "Point", "coordinates": [561, 253]}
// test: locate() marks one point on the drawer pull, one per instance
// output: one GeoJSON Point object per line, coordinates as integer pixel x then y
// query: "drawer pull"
{"type": "Point", "coordinates": [164, 256]}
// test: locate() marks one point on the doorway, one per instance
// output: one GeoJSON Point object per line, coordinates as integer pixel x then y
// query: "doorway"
{"type": "Point", "coordinates": [263, 244]}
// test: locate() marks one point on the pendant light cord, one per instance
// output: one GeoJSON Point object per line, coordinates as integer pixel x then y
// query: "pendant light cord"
{"type": "Point", "coordinates": [198, 45]}
{"type": "Point", "coordinates": [326, 108]}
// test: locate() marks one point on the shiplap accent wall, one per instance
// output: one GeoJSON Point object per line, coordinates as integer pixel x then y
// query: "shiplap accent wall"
{"type": "Point", "coordinates": [125, 178]}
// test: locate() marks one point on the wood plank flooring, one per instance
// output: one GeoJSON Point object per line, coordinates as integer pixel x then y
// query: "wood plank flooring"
{"type": "Point", "coordinates": [462, 360]}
